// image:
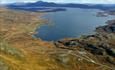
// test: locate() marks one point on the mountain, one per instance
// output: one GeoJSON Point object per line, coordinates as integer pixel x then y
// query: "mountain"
{"type": "Point", "coordinates": [51, 4]}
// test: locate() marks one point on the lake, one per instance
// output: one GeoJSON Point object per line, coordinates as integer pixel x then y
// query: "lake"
{"type": "Point", "coordinates": [70, 24]}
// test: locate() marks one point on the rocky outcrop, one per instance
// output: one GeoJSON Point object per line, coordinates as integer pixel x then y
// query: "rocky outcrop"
{"type": "Point", "coordinates": [110, 28]}
{"type": "Point", "coordinates": [100, 44]}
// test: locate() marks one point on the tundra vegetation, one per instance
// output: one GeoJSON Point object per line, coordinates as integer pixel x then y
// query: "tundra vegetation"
{"type": "Point", "coordinates": [20, 51]}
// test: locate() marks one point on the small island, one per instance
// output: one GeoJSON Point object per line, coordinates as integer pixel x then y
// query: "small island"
{"type": "Point", "coordinates": [102, 14]}
{"type": "Point", "coordinates": [105, 13]}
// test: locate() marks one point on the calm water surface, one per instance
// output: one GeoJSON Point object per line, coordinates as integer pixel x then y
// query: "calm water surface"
{"type": "Point", "coordinates": [71, 23]}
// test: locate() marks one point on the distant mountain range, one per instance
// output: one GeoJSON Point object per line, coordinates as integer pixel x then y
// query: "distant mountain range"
{"type": "Point", "coordinates": [71, 5]}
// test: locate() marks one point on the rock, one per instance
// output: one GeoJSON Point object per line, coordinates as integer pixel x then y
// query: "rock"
{"type": "Point", "coordinates": [93, 49]}
{"type": "Point", "coordinates": [71, 43]}
{"type": "Point", "coordinates": [110, 51]}
{"type": "Point", "coordinates": [110, 60]}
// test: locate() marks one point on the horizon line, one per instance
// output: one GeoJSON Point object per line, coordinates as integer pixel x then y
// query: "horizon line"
{"type": "Point", "coordinates": [54, 2]}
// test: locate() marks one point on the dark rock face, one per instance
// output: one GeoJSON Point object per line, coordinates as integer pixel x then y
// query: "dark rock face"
{"type": "Point", "coordinates": [93, 49]}
{"type": "Point", "coordinates": [71, 43]}
{"type": "Point", "coordinates": [110, 52]}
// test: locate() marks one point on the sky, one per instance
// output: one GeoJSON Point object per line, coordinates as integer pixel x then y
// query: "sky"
{"type": "Point", "coordinates": [63, 1]}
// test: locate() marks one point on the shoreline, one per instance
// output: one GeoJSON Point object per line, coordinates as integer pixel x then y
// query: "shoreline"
{"type": "Point", "coordinates": [104, 34]}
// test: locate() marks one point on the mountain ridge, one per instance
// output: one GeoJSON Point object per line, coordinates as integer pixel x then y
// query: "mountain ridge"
{"type": "Point", "coordinates": [71, 5]}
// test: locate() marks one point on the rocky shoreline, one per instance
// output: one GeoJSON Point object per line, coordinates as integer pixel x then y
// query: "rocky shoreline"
{"type": "Point", "coordinates": [101, 44]}
{"type": "Point", "coordinates": [110, 28]}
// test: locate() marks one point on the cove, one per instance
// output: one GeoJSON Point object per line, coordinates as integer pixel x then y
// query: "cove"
{"type": "Point", "coordinates": [71, 23]}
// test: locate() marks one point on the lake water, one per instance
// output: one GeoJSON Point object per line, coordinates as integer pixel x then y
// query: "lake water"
{"type": "Point", "coordinates": [70, 24]}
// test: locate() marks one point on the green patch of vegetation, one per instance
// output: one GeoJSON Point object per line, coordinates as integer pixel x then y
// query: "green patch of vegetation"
{"type": "Point", "coordinates": [4, 66]}
{"type": "Point", "coordinates": [7, 49]}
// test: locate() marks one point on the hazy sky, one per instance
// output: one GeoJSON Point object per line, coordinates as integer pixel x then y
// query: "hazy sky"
{"type": "Point", "coordinates": [63, 1]}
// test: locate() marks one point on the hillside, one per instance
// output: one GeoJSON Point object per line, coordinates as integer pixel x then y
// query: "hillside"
{"type": "Point", "coordinates": [20, 51]}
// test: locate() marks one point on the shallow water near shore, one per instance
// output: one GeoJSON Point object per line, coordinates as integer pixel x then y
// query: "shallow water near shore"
{"type": "Point", "coordinates": [70, 24]}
